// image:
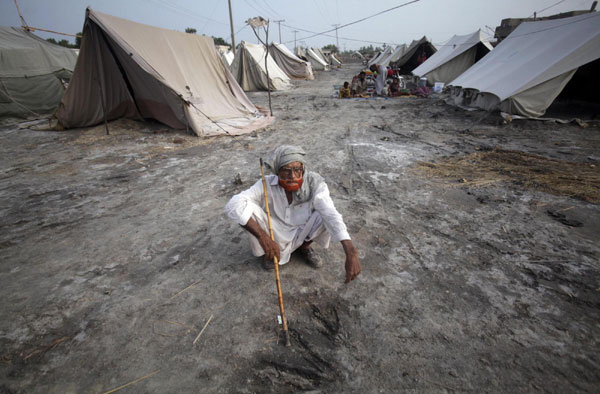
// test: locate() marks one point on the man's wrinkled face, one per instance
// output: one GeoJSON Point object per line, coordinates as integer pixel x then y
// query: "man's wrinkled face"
{"type": "Point", "coordinates": [290, 176]}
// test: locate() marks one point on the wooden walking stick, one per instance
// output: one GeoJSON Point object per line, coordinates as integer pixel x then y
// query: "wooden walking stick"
{"type": "Point", "coordinates": [277, 280]}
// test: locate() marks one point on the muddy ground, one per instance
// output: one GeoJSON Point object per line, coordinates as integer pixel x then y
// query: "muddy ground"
{"type": "Point", "coordinates": [115, 253]}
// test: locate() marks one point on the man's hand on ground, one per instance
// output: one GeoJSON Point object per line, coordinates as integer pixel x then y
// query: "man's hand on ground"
{"type": "Point", "coordinates": [352, 263]}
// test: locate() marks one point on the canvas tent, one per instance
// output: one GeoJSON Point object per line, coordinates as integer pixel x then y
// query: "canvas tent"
{"type": "Point", "coordinates": [128, 69]}
{"type": "Point", "coordinates": [526, 72]}
{"type": "Point", "coordinates": [358, 55]}
{"type": "Point", "coordinates": [454, 58]}
{"type": "Point", "coordinates": [301, 53]}
{"type": "Point", "coordinates": [414, 55]}
{"type": "Point", "coordinates": [321, 54]}
{"type": "Point", "coordinates": [249, 70]}
{"type": "Point", "coordinates": [291, 64]}
{"type": "Point", "coordinates": [381, 55]}
{"type": "Point", "coordinates": [315, 60]}
{"type": "Point", "coordinates": [226, 54]}
{"type": "Point", "coordinates": [393, 55]}
{"type": "Point", "coordinates": [228, 57]}
{"type": "Point", "coordinates": [32, 72]}
{"type": "Point", "coordinates": [334, 60]}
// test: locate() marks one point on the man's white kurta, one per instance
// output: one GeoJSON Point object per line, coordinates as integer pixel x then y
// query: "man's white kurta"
{"type": "Point", "coordinates": [380, 80]}
{"type": "Point", "coordinates": [292, 223]}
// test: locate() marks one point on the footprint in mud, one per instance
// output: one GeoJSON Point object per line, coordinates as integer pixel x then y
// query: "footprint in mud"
{"type": "Point", "coordinates": [316, 335]}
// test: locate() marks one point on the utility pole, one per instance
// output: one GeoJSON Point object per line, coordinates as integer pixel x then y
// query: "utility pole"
{"type": "Point", "coordinates": [295, 31]}
{"type": "Point", "coordinates": [230, 24]}
{"type": "Point", "coordinates": [337, 42]}
{"type": "Point", "coordinates": [279, 23]}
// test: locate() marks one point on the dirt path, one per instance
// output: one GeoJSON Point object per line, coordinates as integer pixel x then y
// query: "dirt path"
{"type": "Point", "coordinates": [115, 253]}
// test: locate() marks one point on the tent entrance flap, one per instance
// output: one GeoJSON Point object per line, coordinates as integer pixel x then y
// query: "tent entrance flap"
{"type": "Point", "coordinates": [96, 73]}
{"type": "Point", "coordinates": [151, 98]}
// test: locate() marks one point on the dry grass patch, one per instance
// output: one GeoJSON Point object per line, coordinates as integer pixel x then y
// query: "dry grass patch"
{"type": "Point", "coordinates": [564, 178]}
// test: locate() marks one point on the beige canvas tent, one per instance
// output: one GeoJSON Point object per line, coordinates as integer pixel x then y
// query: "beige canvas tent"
{"type": "Point", "coordinates": [393, 56]}
{"type": "Point", "coordinates": [454, 58]}
{"type": "Point", "coordinates": [317, 63]}
{"type": "Point", "coordinates": [249, 70]}
{"type": "Point", "coordinates": [226, 54]}
{"type": "Point", "coordinates": [32, 73]}
{"type": "Point", "coordinates": [414, 55]}
{"type": "Point", "coordinates": [128, 69]}
{"type": "Point", "coordinates": [334, 61]}
{"type": "Point", "coordinates": [291, 64]}
{"type": "Point", "coordinates": [528, 70]}
{"type": "Point", "coordinates": [381, 55]}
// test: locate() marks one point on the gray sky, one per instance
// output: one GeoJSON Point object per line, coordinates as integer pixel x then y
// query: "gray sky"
{"type": "Point", "coordinates": [437, 19]}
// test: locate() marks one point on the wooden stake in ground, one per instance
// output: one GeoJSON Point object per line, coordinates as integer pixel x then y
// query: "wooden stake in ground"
{"type": "Point", "coordinates": [277, 280]}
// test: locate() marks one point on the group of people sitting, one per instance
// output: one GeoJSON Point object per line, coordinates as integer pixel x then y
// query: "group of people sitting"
{"type": "Point", "coordinates": [384, 83]}
{"type": "Point", "coordinates": [358, 88]}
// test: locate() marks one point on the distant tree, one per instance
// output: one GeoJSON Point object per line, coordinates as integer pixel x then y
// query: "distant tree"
{"type": "Point", "coordinates": [221, 41]}
{"type": "Point", "coordinates": [367, 51]}
{"type": "Point", "coordinates": [62, 43]}
{"type": "Point", "coordinates": [331, 48]}
{"type": "Point", "coordinates": [78, 40]}
{"type": "Point", "coordinates": [190, 30]}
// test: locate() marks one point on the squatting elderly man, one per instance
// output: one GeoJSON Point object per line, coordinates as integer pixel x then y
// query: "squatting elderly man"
{"type": "Point", "coordinates": [302, 212]}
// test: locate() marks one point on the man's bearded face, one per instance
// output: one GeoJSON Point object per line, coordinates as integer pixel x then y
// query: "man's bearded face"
{"type": "Point", "coordinates": [291, 176]}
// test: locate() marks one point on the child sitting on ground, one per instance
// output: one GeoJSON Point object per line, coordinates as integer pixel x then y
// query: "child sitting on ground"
{"type": "Point", "coordinates": [345, 90]}
{"type": "Point", "coordinates": [394, 89]}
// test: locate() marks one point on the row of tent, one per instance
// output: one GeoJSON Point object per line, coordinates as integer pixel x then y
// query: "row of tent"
{"type": "Point", "coordinates": [522, 75]}
{"type": "Point", "coordinates": [128, 69]}
{"type": "Point", "coordinates": [282, 65]}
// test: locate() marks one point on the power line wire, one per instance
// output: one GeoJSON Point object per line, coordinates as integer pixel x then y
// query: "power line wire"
{"type": "Point", "coordinates": [362, 19]}
{"type": "Point", "coordinates": [332, 36]}
{"type": "Point", "coordinates": [211, 14]}
{"type": "Point", "coordinates": [513, 36]}
{"type": "Point", "coordinates": [185, 11]}
{"type": "Point", "coordinates": [275, 13]}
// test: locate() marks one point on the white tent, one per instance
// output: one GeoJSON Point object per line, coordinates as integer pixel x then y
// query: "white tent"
{"type": "Point", "coordinates": [249, 69]}
{"type": "Point", "coordinates": [300, 52]}
{"type": "Point", "coordinates": [414, 55]}
{"type": "Point", "coordinates": [321, 54]}
{"type": "Point", "coordinates": [315, 60]}
{"type": "Point", "coordinates": [358, 55]}
{"type": "Point", "coordinates": [393, 56]}
{"type": "Point", "coordinates": [226, 53]}
{"type": "Point", "coordinates": [454, 58]}
{"type": "Point", "coordinates": [334, 60]}
{"type": "Point", "coordinates": [291, 64]}
{"type": "Point", "coordinates": [381, 55]}
{"type": "Point", "coordinates": [128, 69]}
{"type": "Point", "coordinates": [229, 57]}
{"type": "Point", "coordinates": [529, 68]}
